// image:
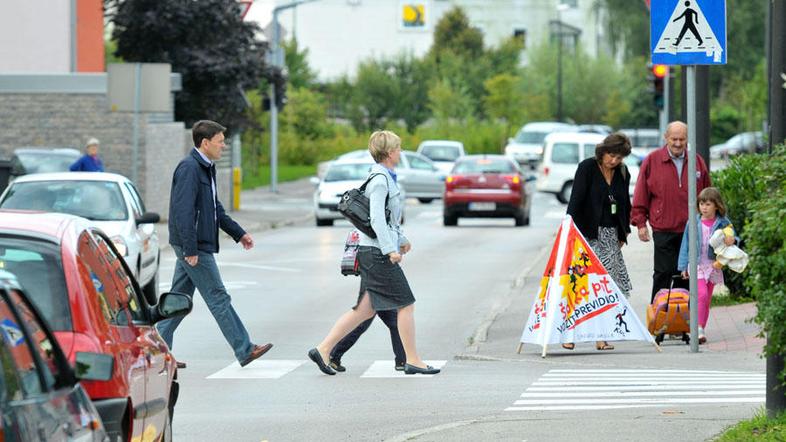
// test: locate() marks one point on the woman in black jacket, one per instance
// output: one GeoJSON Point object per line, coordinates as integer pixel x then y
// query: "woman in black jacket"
{"type": "Point", "coordinates": [600, 207]}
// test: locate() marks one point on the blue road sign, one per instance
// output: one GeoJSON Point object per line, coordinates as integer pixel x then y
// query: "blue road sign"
{"type": "Point", "coordinates": [688, 32]}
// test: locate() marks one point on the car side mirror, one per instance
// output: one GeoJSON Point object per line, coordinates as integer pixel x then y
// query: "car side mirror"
{"type": "Point", "coordinates": [530, 178]}
{"type": "Point", "coordinates": [172, 305]}
{"type": "Point", "coordinates": [148, 218]}
{"type": "Point", "coordinates": [94, 366]}
{"type": "Point", "coordinates": [314, 180]}
{"type": "Point", "coordinates": [442, 178]}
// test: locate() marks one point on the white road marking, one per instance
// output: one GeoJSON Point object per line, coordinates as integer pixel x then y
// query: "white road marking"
{"type": "Point", "coordinates": [587, 389]}
{"type": "Point", "coordinates": [259, 369]}
{"type": "Point", "coordinates": [386, 369]}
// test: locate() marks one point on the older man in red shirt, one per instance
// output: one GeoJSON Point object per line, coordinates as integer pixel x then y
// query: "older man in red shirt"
{"type": "Point", "coordinates": [661, 198]}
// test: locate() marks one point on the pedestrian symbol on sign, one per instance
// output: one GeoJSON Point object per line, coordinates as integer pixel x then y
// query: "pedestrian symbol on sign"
{"type": "Point", "coordinates": [688, 30]}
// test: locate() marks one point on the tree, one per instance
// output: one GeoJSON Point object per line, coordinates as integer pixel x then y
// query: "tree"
{"type": "Point", "coordinates": [300, 73]}
{"type": "Point", "coordinates": [375, 94]}
{"type": "Point", "coordinates": [206, 41]}
{"type": "Point", "coordinates": [449, 102]}
{"type": "Point", "coordinates": [504, 100]}
{"type": "Point", "coordinates": [454, 34]}
{"type": "Point", "coordinates": [413, 77]}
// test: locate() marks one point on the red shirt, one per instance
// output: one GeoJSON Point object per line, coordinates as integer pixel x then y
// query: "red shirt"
{"type": "Point", "coordinates": [660, 197]}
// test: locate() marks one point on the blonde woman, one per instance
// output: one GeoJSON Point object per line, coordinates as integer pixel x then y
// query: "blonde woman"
{"type": "Point", "coordinates": [383, 285]}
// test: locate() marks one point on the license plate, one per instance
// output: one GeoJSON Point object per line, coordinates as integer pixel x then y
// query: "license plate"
{"type": "Point", "coordinates": [482, 207]}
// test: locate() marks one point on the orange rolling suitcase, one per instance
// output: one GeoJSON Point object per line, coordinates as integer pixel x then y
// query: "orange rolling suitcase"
{"type": "Point", "coordinates": [670, 313]}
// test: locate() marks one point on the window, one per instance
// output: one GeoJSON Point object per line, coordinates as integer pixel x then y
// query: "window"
{"type": "Point", "coordinates": [136, 201]}
{"type": "Point", "coordinates": [17, 350]}
{"type": "Point", "coordinates": [565, 153]}
{"type": "Point", "coordinates": [99, 273]}
{"type": "Point", "coordinates": [129, 297]}
{"type": "Point", "coordinates": [39, 339]}
{"type": "Point", "coordinates": [570, 3]}
{"type": "Point", "coordinates": [39, 270]}
{"type": "Point", "coordinates": [94, 200]}
{"type": "Point", "coordinates": [589, 150]}
{"type": "Point", "coordinates": [485, 165]}
{"type": "Point", "coordinates": [419, 163]}
{"type": "Point", "coordinates": [440, 153]}
{"type": "Point", "coordinates": [521, 35]}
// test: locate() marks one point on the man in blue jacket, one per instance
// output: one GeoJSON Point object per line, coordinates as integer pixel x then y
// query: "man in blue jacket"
{"type": "Point", "coordinates": [89, 162]}
{"type": "Point", "coordinates": [195, 215]}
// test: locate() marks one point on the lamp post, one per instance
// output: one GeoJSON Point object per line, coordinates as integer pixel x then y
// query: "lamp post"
{"type": "Point", "coordinates": [560, 7]}
{"type": "Point", "coordinates": [277, 61]}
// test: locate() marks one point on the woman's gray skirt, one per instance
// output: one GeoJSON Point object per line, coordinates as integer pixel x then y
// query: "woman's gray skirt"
{"type": "Point", "coordinates": [384, 281]}
{"type": "Point", "coordinates": [607, 247]}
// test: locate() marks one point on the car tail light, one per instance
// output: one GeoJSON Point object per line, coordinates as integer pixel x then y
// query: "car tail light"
{"type": "Point", "coordinates": [513, 180]}
{"type": "Point", "coordinates": [450, 182]}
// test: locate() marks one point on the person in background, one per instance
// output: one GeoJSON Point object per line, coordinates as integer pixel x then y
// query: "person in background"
{"type": "Point", "coordinates": [89, 162]}
{"type": "Point", "coordinates": [600, 206]}
{"type": "Point", "coordinates": [661, 198]}
{"type": "Point", "coordinates": [711, 217]}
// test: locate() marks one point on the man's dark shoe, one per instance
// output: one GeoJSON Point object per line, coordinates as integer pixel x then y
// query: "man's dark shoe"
{"type": "Point", "coordinates": [336, 365]}
{"type": "Point", "coordinates": [314, 355]}
{"type": "Point", "coordinates": [256, 352]}
{"type": "Point", "coordinates": [181, 364]}
{"type": "Point", "coordinates": [414, 369]}
{"type": "Point", "coordinates": [400, 366]}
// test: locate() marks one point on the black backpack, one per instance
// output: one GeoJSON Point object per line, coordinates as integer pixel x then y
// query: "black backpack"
{"type": "Point", "coordinates": [354, 205]}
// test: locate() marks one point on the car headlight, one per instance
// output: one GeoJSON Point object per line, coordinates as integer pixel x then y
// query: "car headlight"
{"type": "Point", "coordinates": [120, 245]}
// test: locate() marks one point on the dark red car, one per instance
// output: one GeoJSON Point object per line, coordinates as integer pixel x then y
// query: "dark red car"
{"type": "Point", "coordinates": [82, 288]}
{"type": "Point", "coordinates": [487, 186]}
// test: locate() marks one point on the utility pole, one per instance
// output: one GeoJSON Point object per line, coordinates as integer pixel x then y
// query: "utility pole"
{"type": "Point", "coordinates": [776, 395]}
{"type": "Point", "coordinates": [277, 61]}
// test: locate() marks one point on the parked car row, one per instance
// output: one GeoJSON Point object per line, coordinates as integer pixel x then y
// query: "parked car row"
{"type": "Point", "coordinates": [85, 292]}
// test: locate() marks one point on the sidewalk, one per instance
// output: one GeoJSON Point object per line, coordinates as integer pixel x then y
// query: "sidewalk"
{"type": "Point", "coordinates": [261, 209]}
{"type": "Point", "coordinates": [728, 328]}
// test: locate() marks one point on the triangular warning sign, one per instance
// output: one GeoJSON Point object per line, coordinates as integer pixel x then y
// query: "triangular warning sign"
{"type": "Point", "coordinates": [689, 31]}
{"type": "Point", "coordinates": [577, 300]}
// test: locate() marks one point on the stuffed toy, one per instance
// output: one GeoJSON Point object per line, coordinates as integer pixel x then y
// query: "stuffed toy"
{"type": "Point", "coordinates": [732, 255]}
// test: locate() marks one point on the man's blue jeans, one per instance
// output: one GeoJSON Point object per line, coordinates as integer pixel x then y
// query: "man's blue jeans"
{"type": "Point", "coordinates": [206, 278]}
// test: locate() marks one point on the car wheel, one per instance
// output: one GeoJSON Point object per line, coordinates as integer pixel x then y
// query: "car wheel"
{"type": "Point", "coordinates": [426, 200]}
{"type": "Point", "coordinates": [324, 222]}
{"type": "Point", "coordinates": [519, 218]}
{"type": "Point", "coordinates": [151, 290]}
{"type": "Point", "coordinates": [564, 195]}
{"type": "Point", "coordinates": [450, 220]}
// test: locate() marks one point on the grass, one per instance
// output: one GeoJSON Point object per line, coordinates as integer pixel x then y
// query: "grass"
{"type": "Point", "coordinates": [758, 429]}
{"type": "Point", "coordinates": [285, 173]}
{"type": "Point", "coordinates": [721, 298]}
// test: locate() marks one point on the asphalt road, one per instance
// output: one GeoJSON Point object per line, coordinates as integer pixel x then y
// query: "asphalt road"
{"type": "Point", "coordinates": [288, 290]}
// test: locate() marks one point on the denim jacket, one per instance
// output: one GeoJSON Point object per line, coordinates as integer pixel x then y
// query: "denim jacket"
{"type": "Point", "coordinates": [389, 235]}
{"type": "Point", "coordinates": [720, 222]}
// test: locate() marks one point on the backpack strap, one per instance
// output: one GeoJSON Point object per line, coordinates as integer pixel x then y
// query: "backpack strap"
{"type": "Point", "coordinates": [368, 180]}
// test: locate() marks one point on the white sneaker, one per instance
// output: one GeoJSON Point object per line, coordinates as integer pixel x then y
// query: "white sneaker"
{"type": "Point", "coordinates": [702, 338]}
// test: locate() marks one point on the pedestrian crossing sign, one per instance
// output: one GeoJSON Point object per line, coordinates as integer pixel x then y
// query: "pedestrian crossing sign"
{"type": "Point", "coordinates": [688, 32]}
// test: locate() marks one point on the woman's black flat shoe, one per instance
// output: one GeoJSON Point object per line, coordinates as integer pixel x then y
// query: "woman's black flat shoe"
{"type": "Point", "coordinates": [314, 355]}
{"type": "Point", "coordinates": [413, 369]}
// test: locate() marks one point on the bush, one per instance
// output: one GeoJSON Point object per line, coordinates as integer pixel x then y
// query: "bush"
{"type": "Point", "coordinates": [765, 238]}
{"type": "Point", "coordinates": [740, 184]}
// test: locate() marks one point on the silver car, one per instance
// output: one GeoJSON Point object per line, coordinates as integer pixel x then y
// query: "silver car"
{"type": "Point", "coordinates": [110, 201]}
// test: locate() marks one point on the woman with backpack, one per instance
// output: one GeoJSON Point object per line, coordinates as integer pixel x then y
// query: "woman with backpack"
{"type": "Point", "coordinates": [383, 285]}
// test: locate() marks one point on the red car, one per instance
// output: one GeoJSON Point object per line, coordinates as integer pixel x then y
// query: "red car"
{"type": "Point", "coordinates": [486, 186]}
{"type": "Point", "coordinates": [82, 288]}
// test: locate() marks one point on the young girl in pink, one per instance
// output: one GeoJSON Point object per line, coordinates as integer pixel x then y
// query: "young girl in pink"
{"type": "Point", "coordinates": [711, 217]}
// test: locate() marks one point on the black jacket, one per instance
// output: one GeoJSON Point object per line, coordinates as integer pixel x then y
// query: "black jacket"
{"type": "Point", "coordinates": [192, 216]}
{"type": "Point", "coordinates": [587, 198]}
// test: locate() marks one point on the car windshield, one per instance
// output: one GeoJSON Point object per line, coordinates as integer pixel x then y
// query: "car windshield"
{"type": "Point", "coordinates": [347, 172]}
{"type": "Point", "coordinates": [39, 270]}
{"type": "Point", "coordinates": [436, 152]}
{"type": "Point", "coordinates": [530, 137]}
{"type": "Point", "coordinates": [43, 162]}
{"type": "Point", "coordinates": [484, 165]}
{"type": "Point", "coordinates": [94, 200]}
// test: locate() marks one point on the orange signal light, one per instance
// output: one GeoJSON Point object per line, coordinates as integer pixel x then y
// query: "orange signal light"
{"type": "Point", "coordinates": [660, 70]}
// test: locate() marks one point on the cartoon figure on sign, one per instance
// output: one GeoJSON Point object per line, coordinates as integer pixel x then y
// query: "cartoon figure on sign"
{"type": "Point", "coordinates": [621, 321]}
{"type": "Point", "coordinates": [689, 15]}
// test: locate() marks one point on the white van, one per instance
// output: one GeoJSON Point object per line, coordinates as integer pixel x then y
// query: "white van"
{"type": "Point", "coordinates": [527, 146]}
{"type": "Point", "coordinates": [562, 154]}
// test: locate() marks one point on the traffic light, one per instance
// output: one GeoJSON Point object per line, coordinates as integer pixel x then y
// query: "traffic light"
{"type": "Point", "coordinates": [659, 72]}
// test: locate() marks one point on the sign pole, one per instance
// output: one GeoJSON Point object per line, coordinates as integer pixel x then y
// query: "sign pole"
{"type": "Point", "coordinates": [135, 147]}
{"type": "Point", "coordinates": [692, 222]}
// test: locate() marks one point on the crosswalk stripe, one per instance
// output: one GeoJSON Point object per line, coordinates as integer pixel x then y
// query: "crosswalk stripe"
{"type": "Point", "coordinates": [588, 389]}
{"type": "Point", "coordinates": [386, 369]}
{"type": "Point", "coordinates": [259, 369]}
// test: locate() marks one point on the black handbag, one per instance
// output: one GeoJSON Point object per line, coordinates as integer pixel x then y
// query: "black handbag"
{"type": "Point", "coordinates": [354, 205]}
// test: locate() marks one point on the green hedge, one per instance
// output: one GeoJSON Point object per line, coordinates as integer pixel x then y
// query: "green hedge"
{"type": "Point", "coordinates": [754, 188]}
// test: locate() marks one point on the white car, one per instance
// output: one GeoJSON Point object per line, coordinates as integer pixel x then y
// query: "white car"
{"type": "Point", "coordinates": [561, 157]}
{"type": "Point", "coordinates": [110, 201]}
{"type": "Point", "coordinates": [443, 153]}
{"type": "Point", "coordinates": [527, 146]}
{"type": "Point", "coordinates": [417, 174]}
{"type": "Point", "coordinates": [340, 176]}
